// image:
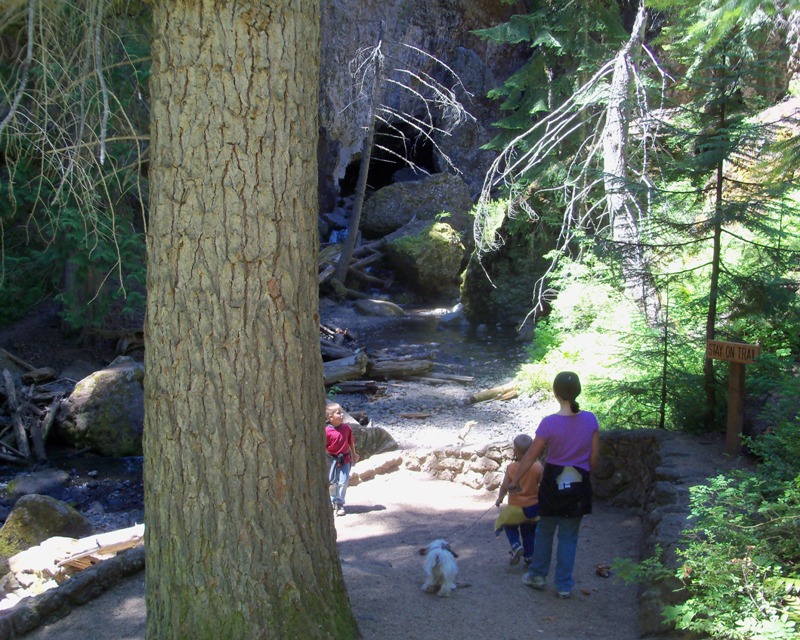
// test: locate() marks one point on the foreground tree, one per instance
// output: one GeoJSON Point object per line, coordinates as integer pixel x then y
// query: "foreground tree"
{"type": "Point", "coordinates": [240, 540]}
{"type": "Point", "coordinates": [728, 191]}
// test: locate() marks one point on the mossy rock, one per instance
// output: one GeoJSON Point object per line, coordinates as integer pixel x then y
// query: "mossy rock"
{"type": "Point", "coordinates": [105, 412]}
{"type": "Point", "coordinates": [498, 287]}
{"type": "Point", "coordinates": [428, 257]}
{"type": "Point", "coordinates": [36, 518]}
{"type": "Point", "coordinates": [388, 209]}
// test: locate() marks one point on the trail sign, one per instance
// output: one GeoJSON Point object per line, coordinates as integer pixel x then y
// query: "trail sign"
{"type": "Point", "coordinates": [738, 354]}
{"type": "Point", "coordinates": [732, 351]}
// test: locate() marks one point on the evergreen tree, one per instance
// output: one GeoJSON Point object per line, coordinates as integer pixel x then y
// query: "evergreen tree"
{"type": "Point", "coordinates": [689, 178]}
{"type": "Point", "coordinates": [573, 166]}
{"type": "Point", "coordinates": [716, 202]}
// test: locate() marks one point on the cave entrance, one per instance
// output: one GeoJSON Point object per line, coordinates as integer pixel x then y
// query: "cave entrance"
{"type": "Point", "coordinates": [397, 146]}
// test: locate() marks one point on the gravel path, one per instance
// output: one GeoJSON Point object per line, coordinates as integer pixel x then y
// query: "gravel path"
{"type": "Point", "coordinates": [389, 519]}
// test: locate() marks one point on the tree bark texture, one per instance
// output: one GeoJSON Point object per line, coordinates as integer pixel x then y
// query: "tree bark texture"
{"type": "Point", "coordinates": [240, 537]}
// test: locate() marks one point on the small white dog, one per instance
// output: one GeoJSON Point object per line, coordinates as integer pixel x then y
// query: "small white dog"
{"type": "Point", "coordinates": [441, 568]}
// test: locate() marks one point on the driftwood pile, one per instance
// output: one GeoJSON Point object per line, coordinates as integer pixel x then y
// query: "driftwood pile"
{"type": "Point", "coordinates": [28, 408]}
{"type": "Point", "coordinates": [28, 411]}
{"type": "Point", "coordinates": [60, 556]}
{"type": "Point", "coordinates": [350, 368]}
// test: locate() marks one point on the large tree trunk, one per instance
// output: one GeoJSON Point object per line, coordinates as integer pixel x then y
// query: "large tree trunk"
{"type": "Point", "coordinates": [240, 538]}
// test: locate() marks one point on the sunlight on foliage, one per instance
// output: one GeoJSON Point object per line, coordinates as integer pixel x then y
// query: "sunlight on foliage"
{"type": "Point", "coordinates": [742, 545]}
{"type": "Point", "coordinates": [583, 332]}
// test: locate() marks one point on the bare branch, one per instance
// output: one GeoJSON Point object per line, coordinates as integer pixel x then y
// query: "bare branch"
{"type": "Point", "coordinates": [438, 104]}
{"type": "Point", "coordinates": [26, 65]}
{"type": "Point", "coordinates": [100, 78]}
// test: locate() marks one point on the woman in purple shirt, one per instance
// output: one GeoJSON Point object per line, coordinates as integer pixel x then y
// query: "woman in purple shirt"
{"type": "Point", "coordinates": [571, 438]}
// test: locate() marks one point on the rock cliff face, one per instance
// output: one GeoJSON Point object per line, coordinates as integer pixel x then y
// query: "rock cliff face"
{"type": "Point", "coordinates": [441, 28]}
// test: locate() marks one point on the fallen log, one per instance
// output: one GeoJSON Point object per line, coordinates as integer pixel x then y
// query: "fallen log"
{"type": "Point", "coordinates": [49, 418]}
{"type": "Point", "coordinates": [53, 554]}
{"type": "Point", "coordinates": [39, 376]}
{"type": "Point", "coordinates": [380, 357]}
{"type": "Point", "coordinates": [366, 277]}
{"type": "Point", "coordinates": [326, 274]}
{"type": "Point", "coordinates": [449, 377]}
{"type": "Point", "coordinates": [38, 441]}
{"type": "Point", "coordinates": [427, 380]}
{"type": "Point", "coordinates": [398, 368]}
{"type": "Point", "coordinates": [9, 459]}
{"type": "Point", "coordinates": [364, 262]}
{"type": "Point", "coordinates": [332, 332]}
{"type": "Point", "coordinates": [329, 254]}
{"type": "Point", "coordinates": [16, 360]}
{"type": "Point", "coordinates": [508, 395]}
{"type": "Point", "coordinates": [332, 351]}
{"type": "Point", "coordinates": [343, 292]}
{"type": "Point", "coordinates": [415, 416]}
{"type": "Point", "coordinates": [328, 331]}
{"type": "Point", "coordinates": [358, 386]}
{"type": "Point", "coordinates": [16, 417]}
{"type": "Point", "coordinates": [502, 392]}
{"type": "Point", "coordinates": [102, 546]}
{"type": "Point", "coordinates": [350, 368]}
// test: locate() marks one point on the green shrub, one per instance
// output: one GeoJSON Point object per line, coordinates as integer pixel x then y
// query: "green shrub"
{"type": "Point", "coordinates": [740, 562]}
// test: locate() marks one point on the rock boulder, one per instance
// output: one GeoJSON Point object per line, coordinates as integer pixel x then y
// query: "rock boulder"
{"type": "Point", "coordinates": [106, 410]}
{"type": "Point", "coordinates": [36, 518]}
{"type": "Point", "coordinates": [440, 196]}
{"type": "Point", "coordinates": [371, 441]}
{"type": "Point", "coordinates": [427, 256]}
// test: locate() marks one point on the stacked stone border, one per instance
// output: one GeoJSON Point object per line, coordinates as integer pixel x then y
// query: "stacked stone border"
{"type": "Point", "coordinates": [78, 590]}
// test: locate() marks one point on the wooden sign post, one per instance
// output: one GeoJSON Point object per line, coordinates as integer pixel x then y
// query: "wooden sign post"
{"type": "Point", "coordinates": [738, 354]}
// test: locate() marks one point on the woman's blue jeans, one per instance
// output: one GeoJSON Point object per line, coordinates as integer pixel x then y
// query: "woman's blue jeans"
{"type": "Point", "coordinates": [568, 529]}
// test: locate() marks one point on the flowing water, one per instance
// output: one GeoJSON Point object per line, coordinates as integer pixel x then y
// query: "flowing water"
{"type": "Point", "coordinates": [488, 354]}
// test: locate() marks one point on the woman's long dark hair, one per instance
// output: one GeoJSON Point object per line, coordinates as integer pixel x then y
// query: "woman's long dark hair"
{"type": "Point", "coordinates": [567, 386]}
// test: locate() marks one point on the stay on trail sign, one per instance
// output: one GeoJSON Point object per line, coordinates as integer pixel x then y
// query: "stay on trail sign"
{"type": "Point", "coordinates": [732, 351]}
{"type": "Point", "coordinates": [738, 354]}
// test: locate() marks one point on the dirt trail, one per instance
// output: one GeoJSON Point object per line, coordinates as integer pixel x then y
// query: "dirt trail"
{"type": "Point", "coordinates": [393, 516]}
{"type": "Point", "coordinates": [389, 519]}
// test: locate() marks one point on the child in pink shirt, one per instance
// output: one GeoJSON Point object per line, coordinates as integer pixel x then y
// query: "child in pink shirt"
{"type": "Point", "coordinates": [340, 447]}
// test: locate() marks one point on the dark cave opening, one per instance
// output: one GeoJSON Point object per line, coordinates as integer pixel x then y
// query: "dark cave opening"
{"type": "Point", "coordinates": [397, 147]}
